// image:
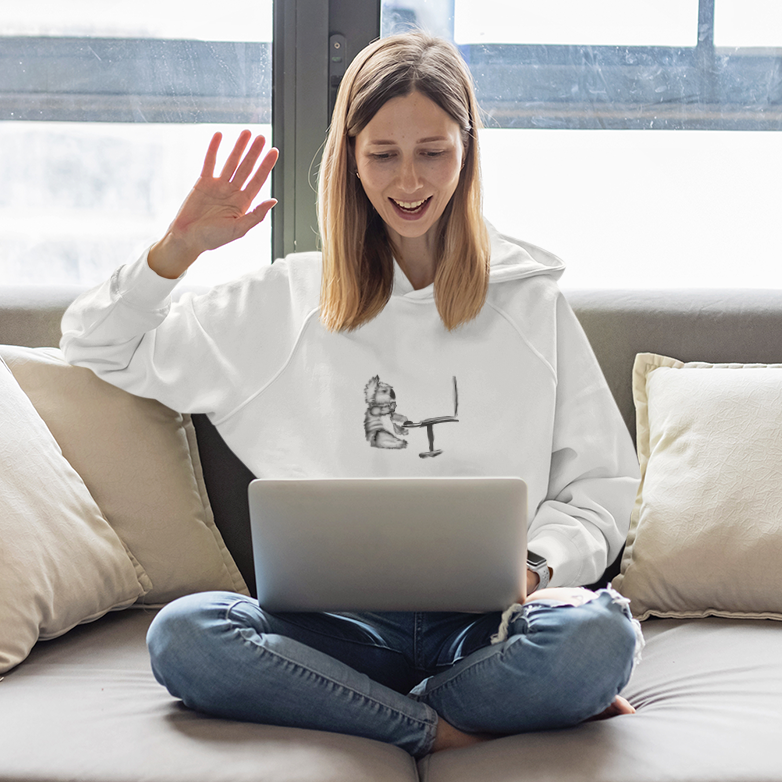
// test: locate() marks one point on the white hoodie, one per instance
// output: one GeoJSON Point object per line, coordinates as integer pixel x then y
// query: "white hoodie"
{"type": "Point", "coordinates": [292, 399]}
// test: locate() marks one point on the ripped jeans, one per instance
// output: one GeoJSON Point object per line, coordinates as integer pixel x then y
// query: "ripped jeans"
{"type": "Point", "coordinates": [390, 676]}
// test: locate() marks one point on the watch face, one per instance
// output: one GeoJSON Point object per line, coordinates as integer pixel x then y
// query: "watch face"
{"type": "Point", "coordinates": [535, 560]}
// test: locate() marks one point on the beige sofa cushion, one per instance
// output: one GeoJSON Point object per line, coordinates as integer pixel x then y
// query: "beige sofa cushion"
{"type": "Point", "coordinates": [60, 562]}
{"type": "Point", "coordinates": [706, 531]}
{"type": "Point", "coordinates": [140, 462]}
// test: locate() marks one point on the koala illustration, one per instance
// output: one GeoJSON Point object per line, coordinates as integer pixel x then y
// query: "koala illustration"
{"type": "Point", "coordinates": [382, 423]}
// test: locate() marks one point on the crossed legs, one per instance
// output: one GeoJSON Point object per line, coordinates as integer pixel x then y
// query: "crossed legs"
{"type": "Point", "coordinates": [406, 679]}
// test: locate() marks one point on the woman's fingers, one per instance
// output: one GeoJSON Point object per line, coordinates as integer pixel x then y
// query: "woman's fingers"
{"type": "Point", "coordinates": [260, 211]}
{"type": "Point", "coordinates": [262, 174]}
{"type": "Point", "coordinates": [248, 162]}
{"type": "Point", "coordinates": [229, 187]}
{"type": "Point", "coordinates": [211, 156]}
{"type": "Point", "coordinates": [574, 596]}
{"type": "Point", "coordinates": [251, 219]}
{"type": "Point", "coordinates": [239, 166]}
{"type": "Point", "coordinates": [236, 155]}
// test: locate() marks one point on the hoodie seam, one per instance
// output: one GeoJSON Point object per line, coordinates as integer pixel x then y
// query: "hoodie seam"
{"type": "Point", "coordinates": [283, 367]}
{"type": "Point", "coordinates": [118, 300]}
{"type": "Point", "coordinates": [524, 339]}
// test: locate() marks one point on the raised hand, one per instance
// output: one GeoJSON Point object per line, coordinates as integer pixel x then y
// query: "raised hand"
{"type": "Point", "coordinates": [217, 209]}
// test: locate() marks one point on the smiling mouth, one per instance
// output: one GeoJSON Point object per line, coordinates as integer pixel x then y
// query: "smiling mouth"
{"type": "Point", "coordinates": [411, 207]}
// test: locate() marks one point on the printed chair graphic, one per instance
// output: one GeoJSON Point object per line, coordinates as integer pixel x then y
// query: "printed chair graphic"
{"type": "Point", "coordinates": [430, 423]}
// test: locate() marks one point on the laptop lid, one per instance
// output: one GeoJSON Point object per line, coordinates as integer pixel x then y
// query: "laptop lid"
{"type": "Point", "coordinates": [389, 544]}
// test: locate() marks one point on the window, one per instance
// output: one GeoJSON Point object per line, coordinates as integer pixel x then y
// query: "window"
{"type": "Point", "coordinates": [104, 119]}
{"type": "Point", "coordinates": [638, 139]}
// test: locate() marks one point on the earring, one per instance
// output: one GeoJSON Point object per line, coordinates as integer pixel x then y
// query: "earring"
{"type": "Point", "coordinates": [358, 175]}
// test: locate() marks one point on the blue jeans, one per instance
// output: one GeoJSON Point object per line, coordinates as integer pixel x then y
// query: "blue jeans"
{"type": "Point", "coordinates": [390, 676]}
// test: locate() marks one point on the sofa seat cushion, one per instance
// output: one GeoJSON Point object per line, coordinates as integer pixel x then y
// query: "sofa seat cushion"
{"type": "Point", "coordinates": [708, 694]}
{"type": "Point", "coordinates": [86, 706]}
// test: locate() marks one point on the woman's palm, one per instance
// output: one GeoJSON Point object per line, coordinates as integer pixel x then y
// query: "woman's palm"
{"type": "Point", "coordinates": [216, 211]}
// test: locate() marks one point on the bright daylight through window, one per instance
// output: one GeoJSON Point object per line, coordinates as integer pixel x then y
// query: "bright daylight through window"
{"type": "Point", "coordinates": [638, 139]}
{"type": "Point", "coordinates": [104, 119]}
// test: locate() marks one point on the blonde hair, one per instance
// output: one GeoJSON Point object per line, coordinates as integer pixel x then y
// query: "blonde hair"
{"type": "Point", "coordinates": [358, 272]}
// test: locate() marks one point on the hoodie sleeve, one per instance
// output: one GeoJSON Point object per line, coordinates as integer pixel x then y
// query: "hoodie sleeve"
{"type": "Point", "coordinates": [582, 525]}
{"type": "Point", "coordinates": [129, 333]}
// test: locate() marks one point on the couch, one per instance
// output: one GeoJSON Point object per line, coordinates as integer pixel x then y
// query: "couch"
{"type": "Point", "coordinates": [698, 567]}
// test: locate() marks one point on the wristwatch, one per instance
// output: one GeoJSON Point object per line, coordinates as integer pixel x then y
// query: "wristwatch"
{"type": "Point", "coordinates": [539, 565]}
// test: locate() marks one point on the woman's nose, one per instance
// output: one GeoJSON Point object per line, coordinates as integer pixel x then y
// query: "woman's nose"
{"type": "Point", "coordinates": [409, 179]}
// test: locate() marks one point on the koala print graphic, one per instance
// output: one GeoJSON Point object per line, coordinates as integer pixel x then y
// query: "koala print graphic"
{"type": "Point", "coordinates": [382, 424]}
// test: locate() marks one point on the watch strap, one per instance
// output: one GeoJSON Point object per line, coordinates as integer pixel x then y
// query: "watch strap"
{"type": "Point", "coordinates": [544, 574]}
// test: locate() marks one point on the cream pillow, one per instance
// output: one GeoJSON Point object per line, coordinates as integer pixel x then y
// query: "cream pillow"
{"type": "Point", "coordinates": [61, 564]}
{"type": "Point", "coordinates": [706, 532]}
{"type": "Point", "coordinates": [139, 460]}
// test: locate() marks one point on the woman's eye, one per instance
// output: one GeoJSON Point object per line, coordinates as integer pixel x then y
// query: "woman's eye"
{"type": "Point", "coordinates": [381, 156]}
{"type": "Point", "coordinates": [434, 154]}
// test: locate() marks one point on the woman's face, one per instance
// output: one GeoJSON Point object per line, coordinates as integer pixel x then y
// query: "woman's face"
{"type": "Point", "coordinates": [409, 157]}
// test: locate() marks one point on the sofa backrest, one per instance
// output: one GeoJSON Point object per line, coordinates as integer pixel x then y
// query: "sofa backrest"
{"type": "Point", "coordinates": [718, 326]}
{"type": "Point", "coordinates": [30, 315]}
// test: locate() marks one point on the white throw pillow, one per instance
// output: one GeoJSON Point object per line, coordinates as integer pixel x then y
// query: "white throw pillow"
{"type": "Point", "coordinates": [61, 563]}
{"type": "Point", "coordinates": [706, 532]}
{"type": "Point", "coordinates": [139, 460]}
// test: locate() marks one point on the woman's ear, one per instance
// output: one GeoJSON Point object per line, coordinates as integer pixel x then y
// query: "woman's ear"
{"type": "Point", "coordinates": [465, 149]}
{"type": "Point", "coordinates": [352, 165]}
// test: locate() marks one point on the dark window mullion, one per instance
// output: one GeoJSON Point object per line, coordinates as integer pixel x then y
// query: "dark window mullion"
{"type": "Point", "coordinates": [299, 117]}
{"type": "Point", "coordinates": [300, 104]}
{"type": "Point", "coordinates": [706, 23]}
{"type": "Point", "coordinates": [707, 65]}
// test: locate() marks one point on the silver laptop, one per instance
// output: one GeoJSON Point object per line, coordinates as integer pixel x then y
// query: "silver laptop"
{"type": "Point", "coordinates": [389, 544]}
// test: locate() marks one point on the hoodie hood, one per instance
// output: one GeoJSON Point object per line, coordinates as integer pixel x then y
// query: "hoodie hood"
{"type": "Point", "coordinates": [511, 259]}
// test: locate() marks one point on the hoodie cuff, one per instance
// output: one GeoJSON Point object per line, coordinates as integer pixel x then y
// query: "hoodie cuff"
{"type": "Point", "coordinates": [140, 287]}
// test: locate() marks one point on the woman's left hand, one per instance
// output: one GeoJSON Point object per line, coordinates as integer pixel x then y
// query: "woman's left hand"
{"type": "Point", "coordinates": [572, 596]}
{"type": "Point", "coordinates": [533, 579]}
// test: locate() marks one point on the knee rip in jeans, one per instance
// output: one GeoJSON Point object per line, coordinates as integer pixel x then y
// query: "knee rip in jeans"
{"type": "Point", "coordinates": [640, 641]}
{"type": "Point", "coordinates": [518, 609]}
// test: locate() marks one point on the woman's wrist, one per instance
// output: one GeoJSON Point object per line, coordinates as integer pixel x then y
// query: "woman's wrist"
{"type": "Point", "coordinates": [170, 257]}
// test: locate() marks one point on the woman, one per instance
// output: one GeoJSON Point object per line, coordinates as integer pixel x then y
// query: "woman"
{"type": "Point", "coordinates": [411, 290]}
